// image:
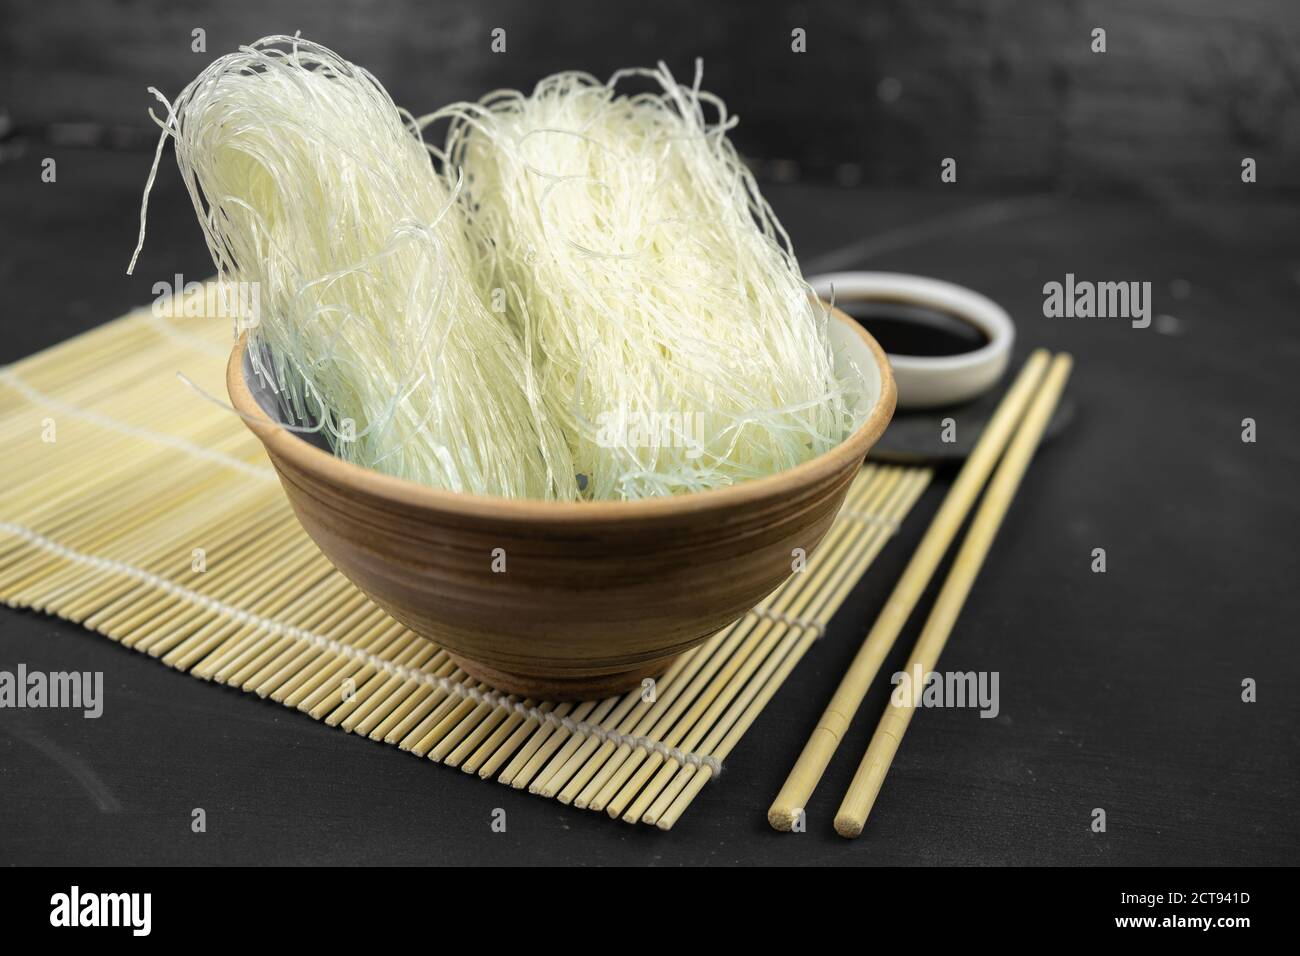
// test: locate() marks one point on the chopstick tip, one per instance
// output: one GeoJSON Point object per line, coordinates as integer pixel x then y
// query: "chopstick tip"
{"type": "Point", "coordinates": [847, 826]}
{"type": "Point", "coordinates": [781, 818]}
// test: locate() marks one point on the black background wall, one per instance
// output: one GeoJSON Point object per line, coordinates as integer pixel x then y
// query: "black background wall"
{"type": "Point", "coordinates": [886, 88]}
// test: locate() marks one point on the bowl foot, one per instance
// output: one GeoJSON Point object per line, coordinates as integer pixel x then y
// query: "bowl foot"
{"type": "Point", "coordinates": [553, 687]}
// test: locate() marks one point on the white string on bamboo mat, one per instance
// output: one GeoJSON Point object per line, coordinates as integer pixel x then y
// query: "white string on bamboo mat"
{"type": "Point", "coordinates": [187, 338]}
{"type": "Point", "coordinates": [790, 620]}
{"type": "Point", "coordinates": [238, 615]}
{"type": "Point", "coordinates": [36, 397]}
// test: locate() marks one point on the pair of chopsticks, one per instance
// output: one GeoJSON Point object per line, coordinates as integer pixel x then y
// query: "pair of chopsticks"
{"type": "Point", "coordinates": [1017, 428]}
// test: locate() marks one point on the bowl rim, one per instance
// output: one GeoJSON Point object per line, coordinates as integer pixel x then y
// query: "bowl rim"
{"type": "Point", "coordinates": [281, 443]}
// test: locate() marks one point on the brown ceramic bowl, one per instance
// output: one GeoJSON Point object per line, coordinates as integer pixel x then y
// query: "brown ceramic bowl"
{"type": "Point", "coordinates": [596, 595]}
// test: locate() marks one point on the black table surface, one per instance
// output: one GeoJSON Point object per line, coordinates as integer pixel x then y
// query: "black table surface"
{"type": "Point", "coordinates": [1120, 691]}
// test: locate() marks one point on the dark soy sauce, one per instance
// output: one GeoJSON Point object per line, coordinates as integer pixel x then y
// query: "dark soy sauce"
{"type": "Point", "coordinates": [905, 328]}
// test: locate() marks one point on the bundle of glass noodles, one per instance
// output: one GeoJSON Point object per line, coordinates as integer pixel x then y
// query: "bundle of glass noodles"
{"type": "Point", "coordinates": [672, 331]}
{"type": "Point", "coordinates": [310, 182]}
{"type": "Point", "coordinates": [587, 298]}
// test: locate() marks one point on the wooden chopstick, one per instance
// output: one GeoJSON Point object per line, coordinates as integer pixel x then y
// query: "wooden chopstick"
{"type": "Point", "coordinates": [884, 744]}
{"type": "Point", "coordinates": [835, 720]}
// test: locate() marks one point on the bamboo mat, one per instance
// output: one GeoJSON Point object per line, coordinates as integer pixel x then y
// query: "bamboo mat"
{"type": "Point", "coordinates": [135, 507]}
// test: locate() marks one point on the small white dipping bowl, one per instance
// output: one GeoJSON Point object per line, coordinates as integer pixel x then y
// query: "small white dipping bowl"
{"type": "Point", "coordinates": [932, 381]}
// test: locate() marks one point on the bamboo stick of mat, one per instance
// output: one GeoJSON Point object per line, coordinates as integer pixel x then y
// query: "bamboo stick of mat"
{"type": "Point", "coordinates": [974, 549]}
{"type": "Point", "coordinates": [835, 720]}
{"type": "Point", "coordinates": [690, 780]}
